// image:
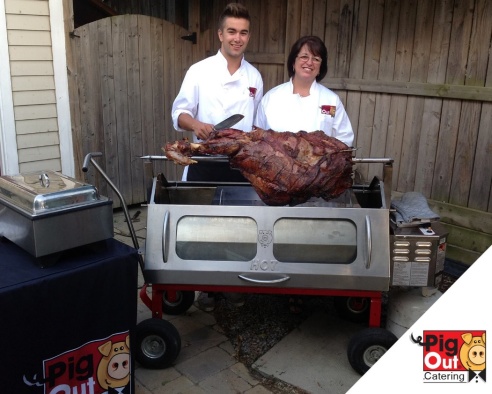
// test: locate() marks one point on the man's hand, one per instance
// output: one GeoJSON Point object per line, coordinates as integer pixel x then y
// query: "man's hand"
{"type": "Point", "coordinates": [201, 130]}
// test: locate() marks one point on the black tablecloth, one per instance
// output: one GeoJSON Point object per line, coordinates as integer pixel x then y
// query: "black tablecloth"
{"type": "Point", "coordinates": [61, 325]}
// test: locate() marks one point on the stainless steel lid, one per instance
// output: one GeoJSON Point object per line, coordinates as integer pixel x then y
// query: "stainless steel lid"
{"type": "Point", "coordinates": [42, 192]}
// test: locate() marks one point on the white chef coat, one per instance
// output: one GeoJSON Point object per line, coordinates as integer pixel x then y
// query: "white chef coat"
{"type": "Point", "coordinates": [282, 110]}
{"type": "Point", "coordinates": [211, 94]}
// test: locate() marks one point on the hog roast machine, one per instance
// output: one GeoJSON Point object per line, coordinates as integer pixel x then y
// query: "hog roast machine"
{"type": "Point", "coordinates": [220, 237]}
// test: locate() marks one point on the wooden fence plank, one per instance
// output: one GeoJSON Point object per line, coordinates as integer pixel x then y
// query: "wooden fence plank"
{"type": "Point", "coordinates": [471, 111]}
{"type": "Point", "coordinates": [372, 58]}
{"type": "Point", "coordinates": [415, 105]}
{"type": "Point", "coordinates": [465, 152]}
{"type": "Point", "coordinates": [432, 107]}
{"type": "Point", "coordinates": [399, 104]}
{"type": "Point", "coordinates": [450, 121]}
{"type": "Point", "coordinates": [462, 255]}
{"type": "Point", "coordinates": [134, 109]}
{"type": "Point", "coordinates": [444, 90]}
{"type": "Point", "coordinates": [319, 11]}
{"type": "Point", "coordinates": [292, 29]}
{"type": "Point", "coordinates": [343, 46]}
{"type": "Point", "coordinates": [257, 11]}
{"type": "Point", "coordinates": [174, 73]}
{"type": "Point", "coordinates": [108, 125]}
{"type": "Point", "coordinates": [331, 35]}
{"type": "Point", "coordinates": [194, 26]}
{"type": "Point", "coordinates": [120, 26]}
{"type": "Point", "coordinates": [183, 58]}
{"type": "Point", "coordinates": [473, 241]}
{"type": "Point", "coordinates": [272, 33]}
{"type": "Point", "coordinates": [344, 38]}
{"type": "Point", "coordinates": [446, 148]}
{"type": "Point", "coordinates": [157, 49]}
{"type": "Point", "coordinates": [481, 185]}
{"type": "Point", "coordinates": [353, 103]}
{"type": "Point", "coordinates": [146, 86]}
{"type": "Point", "coordinates": [97, 114]}
{"type": "Point", "coordinates": [88, 97]}
{"type": "Point", "coordinates": [306, 17]}
{"type": "Point", "coordinates": [385, 72]}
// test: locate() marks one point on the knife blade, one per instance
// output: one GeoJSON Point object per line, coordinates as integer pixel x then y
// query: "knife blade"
{"type": "Point", "coordinates": [230, 121]}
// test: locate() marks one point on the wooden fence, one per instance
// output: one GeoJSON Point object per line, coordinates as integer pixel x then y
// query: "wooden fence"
{"type": "Point", "coordinates": [416, 80]}
{"type": "Point", "coordinates": [415, 77]}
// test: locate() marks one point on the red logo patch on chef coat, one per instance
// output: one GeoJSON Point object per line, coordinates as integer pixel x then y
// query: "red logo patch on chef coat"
{"type": "Point", "coordinates": [328, 110]}
{"type": "Point", "coordinates": [252, 92]}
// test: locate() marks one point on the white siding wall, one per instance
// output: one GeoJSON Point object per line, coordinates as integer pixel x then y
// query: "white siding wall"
{"type": "Point", "coordinates": [33, 84]}
{"type": "Point", "coordinates": [8, 145]}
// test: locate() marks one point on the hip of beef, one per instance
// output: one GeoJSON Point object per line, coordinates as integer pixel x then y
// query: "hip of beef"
{"type": "Point", "coordinates": [284, 168]}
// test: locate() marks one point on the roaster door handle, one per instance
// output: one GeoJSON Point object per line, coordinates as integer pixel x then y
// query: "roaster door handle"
{"type": "Point", "coordinates": [264, 281]}
{"type": "Point", "coordinates": [165, 237]}
{"type": "Point", "coordinates": [369, 242]}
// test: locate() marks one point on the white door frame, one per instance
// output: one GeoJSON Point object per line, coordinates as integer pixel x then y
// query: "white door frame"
{"type": "Point", "coordinates": [9, 158]}
{"type": "Point", "coordinates": [61, 87]}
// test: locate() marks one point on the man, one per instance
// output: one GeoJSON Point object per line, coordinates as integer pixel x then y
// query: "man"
{"type": "Point", "coordinates": [218, 87]}
{"type": "Point", "coordinates": [214, 89]}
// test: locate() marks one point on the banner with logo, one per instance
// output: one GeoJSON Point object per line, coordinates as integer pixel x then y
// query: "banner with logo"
{"type": "Point", "coordinates": [445, 351]}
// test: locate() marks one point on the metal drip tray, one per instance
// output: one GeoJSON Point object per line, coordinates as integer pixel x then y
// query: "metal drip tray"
{"type": "Point", "coordinates": [247, 196]}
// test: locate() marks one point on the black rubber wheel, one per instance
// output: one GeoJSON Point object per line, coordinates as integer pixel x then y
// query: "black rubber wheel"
{"type": "Point", "coordinates": [184, 301]}
{"type": "Point", "coordinates": [368, 346]}
{"type": "Point", "coordinates": [158, 343]}
{"type": "Point", "coordinates": [354, 309]}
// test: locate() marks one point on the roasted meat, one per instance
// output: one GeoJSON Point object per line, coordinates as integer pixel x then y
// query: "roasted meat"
{"type": "Point", "coordinates": [285, 168]}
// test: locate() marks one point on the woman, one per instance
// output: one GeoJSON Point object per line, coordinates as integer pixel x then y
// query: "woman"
{"type": "Point", "coordinates": [302, 103]}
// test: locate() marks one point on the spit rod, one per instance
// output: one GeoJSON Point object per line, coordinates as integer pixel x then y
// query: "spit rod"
{"type": "Point", "coordinates": [225, 158]}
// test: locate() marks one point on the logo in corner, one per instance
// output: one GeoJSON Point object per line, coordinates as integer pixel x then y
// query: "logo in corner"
{"type": "Point", "coordinates": [453, 356]}
{"type": "Point", "coordinates": [97, 367]}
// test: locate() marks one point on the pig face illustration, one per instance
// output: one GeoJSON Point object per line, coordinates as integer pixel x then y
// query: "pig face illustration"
{"type": "Point", "coordinates": [472, 352]}
{"type": "Point", "coordinates": [113, 370]}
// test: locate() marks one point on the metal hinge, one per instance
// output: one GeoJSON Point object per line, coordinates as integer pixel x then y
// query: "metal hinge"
{"type": "Point", "coordinates": [190, 37]}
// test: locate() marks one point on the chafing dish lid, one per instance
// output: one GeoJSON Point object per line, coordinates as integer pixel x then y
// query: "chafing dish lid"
{"type": "Point", "coordinates": [41, 192]}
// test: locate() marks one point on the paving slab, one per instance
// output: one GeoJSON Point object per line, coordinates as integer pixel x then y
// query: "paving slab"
{"type": "Point", "coordinates": [205, 364]}
{"type": "Point", "coordinates": [314, 356]}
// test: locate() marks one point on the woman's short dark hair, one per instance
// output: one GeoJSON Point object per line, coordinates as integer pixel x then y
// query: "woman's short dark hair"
{"type": "Point", "coordinates": [233, 10]}
{"type": "Point", "coordinates": [317, 47]}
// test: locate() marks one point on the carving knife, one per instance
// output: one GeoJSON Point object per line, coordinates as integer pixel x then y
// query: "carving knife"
{"type": "Point", "coordinates": [229, 122]}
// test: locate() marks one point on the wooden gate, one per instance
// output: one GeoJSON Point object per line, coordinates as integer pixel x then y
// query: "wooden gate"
{"type": "Point", "coordinates": [126, 73]}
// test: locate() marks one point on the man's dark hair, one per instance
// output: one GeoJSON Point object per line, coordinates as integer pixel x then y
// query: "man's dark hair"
{"type": "Point", "coordinates": [234, 10]}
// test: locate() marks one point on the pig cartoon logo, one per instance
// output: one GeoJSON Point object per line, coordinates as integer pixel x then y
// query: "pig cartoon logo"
{"type": "Point", "coordinates": [113, 371]}
{"type": "Point", "coordinates": [472, 354]}
{"type": "Point", "coordinates": [265, 237]}
{"type": "Point", "coordinates": [453, 356]}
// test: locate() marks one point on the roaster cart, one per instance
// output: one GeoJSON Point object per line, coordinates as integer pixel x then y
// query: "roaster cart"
{"type": "Point", "coordinates": [220, 237]}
